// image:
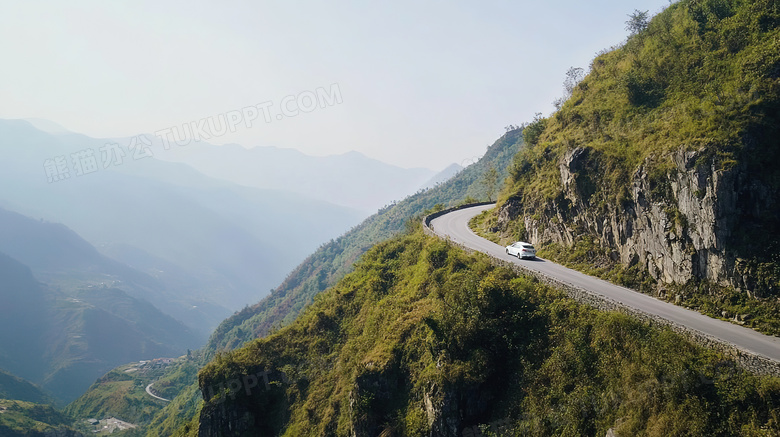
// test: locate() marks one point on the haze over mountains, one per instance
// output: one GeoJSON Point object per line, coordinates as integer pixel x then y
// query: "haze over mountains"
{"type": "Point", "coordinates": [657, 171]}
{"type": "Point", "coordinates": [63, 340]}
{"type": "Point", "coordinates": [350, 179]}
{"type": "Point", "coordinates": [111, 255]}
{"type": "Point", "coordinates": [144, 211]}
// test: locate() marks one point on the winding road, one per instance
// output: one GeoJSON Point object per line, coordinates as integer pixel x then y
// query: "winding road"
{"type": "Point", "coordinates": [454, 226]}
{"type": "Point", "coordinates": [149, 392]}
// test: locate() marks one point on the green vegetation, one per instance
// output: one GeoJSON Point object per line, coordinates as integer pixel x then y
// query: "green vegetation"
{"type": "Point", "coordinates": [321, 270]}
{"type": "Point", "coordinates": [15, 388]}
{"type": "Point", "coordinates": [334, 259]}
{"type": "Point", "coordinates": [121, 393]}
{"type": "Point", "coordinates": [421, 327]}
{"type": "Point", "coordinates": [65, 341]}
{"type": "Point", "coordinates": [26, 419]}
{"type": "Point", "coordinates": [180, 417]}
{"type": "Point", "coordinates": [701, 76]}
{"type": "Point", "coordinates": [25, 410]}
{"type": "Point", "coordinates": [419, 330]}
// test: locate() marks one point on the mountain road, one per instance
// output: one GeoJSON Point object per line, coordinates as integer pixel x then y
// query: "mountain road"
{"type": "Point", "coordinates": [454, 226]}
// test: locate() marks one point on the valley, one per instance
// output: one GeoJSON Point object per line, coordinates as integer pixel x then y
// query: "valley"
{"type": "Point", "coordinates": [309, 275]}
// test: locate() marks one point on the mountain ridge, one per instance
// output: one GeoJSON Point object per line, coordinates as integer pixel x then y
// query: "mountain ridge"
{"type": "Point", "coordinates": [103, 207]}
{"type": "Point", "coordinates": [647, 177]}
{"type": "Point", "coordinates": [321, 270]}
{"type": "Point", "coordinates": [349, 179]}
{"type": "Point", "coordinates": [425, 339]}
{"type": "Point", "coordinates": [588, 375]}
{"type": "Point", "coordinates": [64, 334]}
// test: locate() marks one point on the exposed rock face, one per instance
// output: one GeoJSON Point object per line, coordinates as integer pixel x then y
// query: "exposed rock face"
{"type": "Point", "coordinates": [372, 391]}
{"type": "Point", "coordinates": [224, 421]}
{"type": "Point", "coordinates": [677, 226]}
{"type": "Point", "coordinates": [448, 408]}
{"type": "Point", "coordinates": [253, 403]}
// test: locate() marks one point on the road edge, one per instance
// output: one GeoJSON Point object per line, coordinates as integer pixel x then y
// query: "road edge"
{"type": "Point", "coordinates": [149, 392]}
{"type": "Point", "coordinates": [751, 361]}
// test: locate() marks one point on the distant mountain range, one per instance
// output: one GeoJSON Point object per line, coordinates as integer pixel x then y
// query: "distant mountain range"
{"type": "Point", "coordinates": [213, 244]}
{"type": "Point", "coordinates": [64, 340]}
{"type": "Point", "coordinates": [443, 176]}
{"type": "Point", "coordinates": [351, 179]}
{"type": "Point", "coordinates": [332, 261]}
{"type": "Point", "coordinates": [110, 256]}
{"type": "Point", "coordinates": [322, 269]}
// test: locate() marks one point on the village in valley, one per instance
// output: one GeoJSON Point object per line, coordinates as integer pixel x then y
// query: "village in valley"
{"type": "Point", "coordinates": [139, 378]}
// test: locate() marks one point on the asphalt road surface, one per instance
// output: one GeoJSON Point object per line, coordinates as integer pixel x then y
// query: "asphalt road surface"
{"type": "Point", "coordinates": [149, 392]}
{"type": "Point", "coordinates": [454, 225]}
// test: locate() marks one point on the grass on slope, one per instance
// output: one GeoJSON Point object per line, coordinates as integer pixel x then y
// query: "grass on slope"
{"type": "Point", "coordinates": [421, 326]}
{"type": "Point", "coordinates": [180, 416]}
{"type": "Point", "coordinates": [26, 419]}
{"type": "Point", "coordinates": [331, 262]}
{"type": "Point", "coordinates": [334, 259]}
{"type": "Point", "coordinates": [13, 387]}
{"type": "Point", "coordinates": [704, 76]}
{"type": "Point", "coordinates": [322, 269]}
{"type": "Point", "coordinates": [121, 393]}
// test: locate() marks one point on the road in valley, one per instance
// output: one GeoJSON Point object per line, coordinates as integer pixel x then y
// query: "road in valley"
{"type": "Point", "coordinates": [454, 226]}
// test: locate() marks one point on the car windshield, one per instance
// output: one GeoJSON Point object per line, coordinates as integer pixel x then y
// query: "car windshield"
{"type": "Point", "coordinates": [527, 246]}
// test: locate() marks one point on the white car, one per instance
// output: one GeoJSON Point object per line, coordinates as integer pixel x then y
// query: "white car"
{"type": "Point", "coordinates": [521, 250]}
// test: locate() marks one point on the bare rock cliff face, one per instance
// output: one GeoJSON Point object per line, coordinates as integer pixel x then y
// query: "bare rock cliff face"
{"type": "Point", "coordinates": [679, 226]}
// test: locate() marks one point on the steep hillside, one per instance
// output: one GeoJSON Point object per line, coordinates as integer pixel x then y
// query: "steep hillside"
{"type": "Point", "coordinates": [423, 339]}
{"type": "Point", "coordinates": [660, 170]}
{"type": "Point", "coordinates": [323, 269]}
{"type": "Point", "coordinates": [92, 334]}
{"type": "Point", "coordinates": [144, 211]}
{"type": "Point", "coordinates": [121, 393]}
{"type": "Point", "coordinates": [26, 419]}
{"type": "Point", "coordinates": [24, 317]}
{"type": "Point", "coordinates": [25, 410]}
{"type": "Point", "coordinates": [64, 261]}
{"type": "Point", "coordinates": [15, 388]}
{"type": "Point", "coordinates": [334, 259]}
{"type": "Point", "coordinates": [63, 342]}
{"type": "Point", "coordinates": [52, 248]}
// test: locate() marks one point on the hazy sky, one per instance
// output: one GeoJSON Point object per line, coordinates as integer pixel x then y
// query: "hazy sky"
{"type": "Point", "coordinates": [419, 83]}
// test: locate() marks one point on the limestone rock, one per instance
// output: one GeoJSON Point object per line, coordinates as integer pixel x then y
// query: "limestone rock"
{"type": "Point", "coordinates": [681, 236]}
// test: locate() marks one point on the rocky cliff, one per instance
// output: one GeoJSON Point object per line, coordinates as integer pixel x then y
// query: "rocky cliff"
{"type": "Point", "coordinates": [681, 226]}
{"type": "Point", "coordinates": [666, 154]}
